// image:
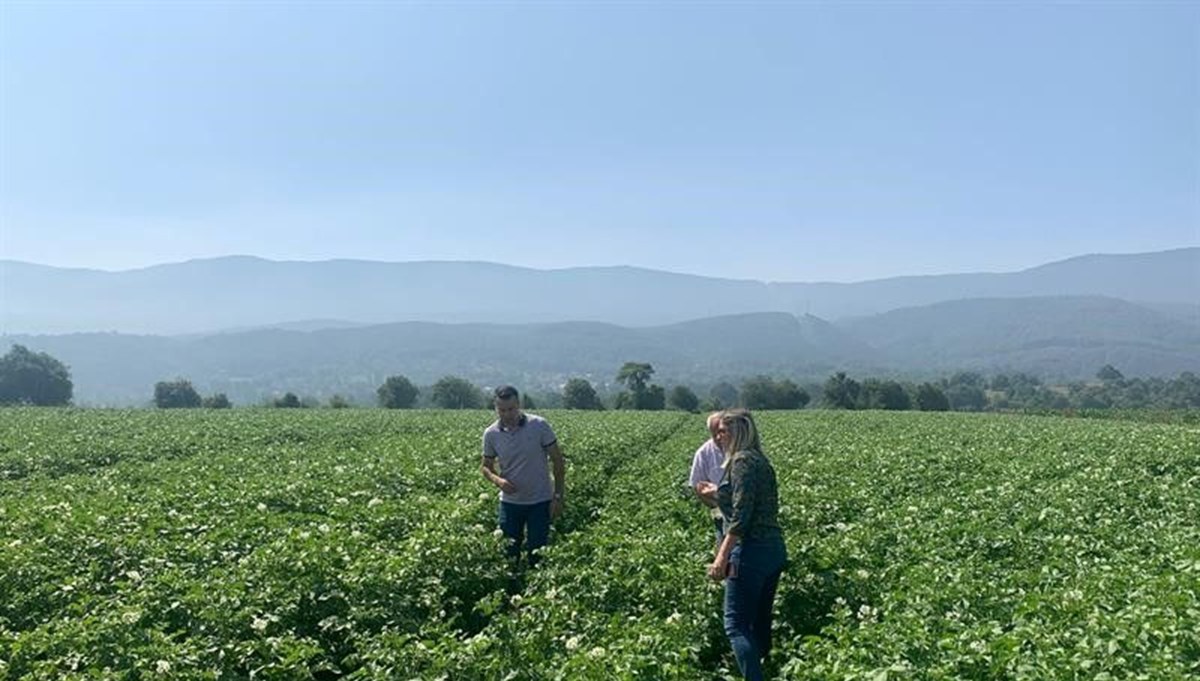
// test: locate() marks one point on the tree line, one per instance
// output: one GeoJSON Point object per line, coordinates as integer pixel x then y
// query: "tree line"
{"type": "Point", "coordinates": [972, 391]}
{"type": "Point", "coordinates": [36, 378]}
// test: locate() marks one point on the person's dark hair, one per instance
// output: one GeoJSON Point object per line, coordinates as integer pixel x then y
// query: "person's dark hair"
{"type": "Point", "coordinates": [506, 392]}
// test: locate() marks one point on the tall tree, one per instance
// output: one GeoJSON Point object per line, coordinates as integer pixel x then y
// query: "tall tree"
{"type": "Point", "coordinates": [33, 378]}
{"type": "Point", "coordinates": [931, 398]}
{"type": "Point", "coordinates": [1183, 392]}
{"type": "Point", "coordinates": [654, 398]}
{"type": "Point", "coordinates": [764, 392]}
{"type": "Point", "coordinates": [177, 394]}
{"type": "Point", "coordinates": [971, 379]}
{"type": "Point", "coordinates": [289, 401]}
{"type": "Point", "coordinates": [217, 401]}
{"type": "Point", "coordinates": [788, 395]}
{"type": "Point", "coordinates": [453, 392]}
{"type": "Point", "coordinates": [841, 391]}
{"type": "Point", "coordinates": [578, 393]}
{"type": "Point", "coordinates": [1109, 372]}
{"type": "Point", "coordinates": [683, 397]}
{"type": "Point", "coordinates": [635, 376]}
{"type": "Point", "coordinates": [966, 397]}
{"type": "Point", "coordinates": [397, 392]}
{"type": "Point", "coordinates": [883, 394]}
{"type": "Point", "coordinates": [723, 395]}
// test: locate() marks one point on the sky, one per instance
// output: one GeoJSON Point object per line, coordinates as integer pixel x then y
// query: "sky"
{"type": "Point", "coordinates": [771, 141]}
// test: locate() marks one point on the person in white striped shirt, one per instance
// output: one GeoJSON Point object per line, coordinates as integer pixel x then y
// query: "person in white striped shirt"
{"type": "Point", "coordinates": [706, 472]}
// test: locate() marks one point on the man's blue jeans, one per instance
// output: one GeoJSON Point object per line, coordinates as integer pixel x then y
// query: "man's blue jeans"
{"type": "Point", "coordinates": [750, 601]}
{"type": "Point", "coordinates": [525, 523]}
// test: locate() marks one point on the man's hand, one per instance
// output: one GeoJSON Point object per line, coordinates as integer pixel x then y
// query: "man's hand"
{"type": "Point", "coordinates": [559, 468]}
{"type": "Point", "coordinates": [707, 493]}
{"type": "Point", "coordinates": [488, 467]}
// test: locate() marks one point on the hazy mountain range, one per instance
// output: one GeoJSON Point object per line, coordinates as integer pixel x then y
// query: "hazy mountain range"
{"type": "Point", "coordinates": [251, 327]}
{"type": "Point", "coordinates": [202, 296]}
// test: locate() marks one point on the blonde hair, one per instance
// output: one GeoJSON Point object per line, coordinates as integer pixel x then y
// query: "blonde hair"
{"type": "Point", "coordinates": [713, 419]}
{"type": "Point", "coordinates": [743, 434]}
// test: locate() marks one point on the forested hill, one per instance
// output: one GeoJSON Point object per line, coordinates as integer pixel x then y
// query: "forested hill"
{"type": "Point", "coordinates": [1066, 337]}
{"type": "Point", "coordinates": [1059, 338]}
{"type": "Point", "coordinates": [204, 296]}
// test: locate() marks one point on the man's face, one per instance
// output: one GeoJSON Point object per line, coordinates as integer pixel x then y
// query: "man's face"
{"type": "Point", "coordinates": [509, 412]}
{"type": "Point", "coordinates": [720, 435]}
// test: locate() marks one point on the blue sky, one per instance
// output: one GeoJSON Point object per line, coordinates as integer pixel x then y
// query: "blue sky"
{"type": "Point", "coordinates": [797, 142]}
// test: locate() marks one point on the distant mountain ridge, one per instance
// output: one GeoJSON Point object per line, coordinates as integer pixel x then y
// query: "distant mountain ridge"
{"type": "Point", "coordinates": [1062, 337]}
{"type": "Point", "coordinates": [251, 327]}
{"type": "Point", "coordinates": [203, 296]}
{"type": "Point", "coordinates": [1066, 336]}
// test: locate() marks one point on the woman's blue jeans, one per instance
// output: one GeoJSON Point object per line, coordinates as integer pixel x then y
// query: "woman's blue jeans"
{"type": "Point", "coordinates": [750, 601]}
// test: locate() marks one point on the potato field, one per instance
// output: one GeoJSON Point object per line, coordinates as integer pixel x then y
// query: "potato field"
{"type": "Point", "coordinates": [362, 544]}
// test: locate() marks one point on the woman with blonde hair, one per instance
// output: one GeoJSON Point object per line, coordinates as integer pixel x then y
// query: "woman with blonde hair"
{"type": "Point", "coordinates": [751, 556]}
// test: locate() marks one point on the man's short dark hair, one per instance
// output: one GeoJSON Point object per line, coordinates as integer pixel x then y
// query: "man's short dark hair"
{"type": "Point", "coordinates": [506, 392]}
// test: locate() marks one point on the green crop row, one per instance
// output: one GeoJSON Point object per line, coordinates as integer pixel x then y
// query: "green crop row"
{"type": "Point", "coordinates": [362, 544]}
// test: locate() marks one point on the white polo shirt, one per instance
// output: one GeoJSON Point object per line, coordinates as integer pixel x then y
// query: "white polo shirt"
{"type": "Point", "coordinates": [706, 467]}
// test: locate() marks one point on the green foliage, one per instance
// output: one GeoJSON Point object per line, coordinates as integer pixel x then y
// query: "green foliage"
{"type": "Point", "coordinates": [684, 398]}
{"type": "Point", "coordinates": [35, 378]}
{"type": "Point", "coordinates": [635, 376]}
{"type": "Point", "coordinates": [288, 400]}
{"type": "Point", "coordinates": [177, 394]}
{"type": "Point", "coordinates": [971, 391]}
{"type": "Point", "coordinates": [339, 402]}
{"type": "Point", "coordinates": [968, 378]}
{"type": "Point", "coordinates": [640, 396]}
{"type": "Point", "coordinates": [723, 395]}
{"type": "Point", "coordinates": [216, 401]}
{"type": "Point", "coordinates": [883, 394]}
{"type": "Point", "coordinates": [1182, 392]}
{"type": "Point", "coordinates": [931, 398]}
{"type": "Point", "coordinates": [578, 393]}
{"type": "Point", "coordinates": [1023, 391]}
{"type": "Point", "coordinates": [965, 397]}
{"type": "Point", "coordinates": [841, 392]}
{"type": "Point", "coordinates": [397, 392]}
{"type": "Point", "coordinates": [654, 399]}
{"type": "Point", "coordinates": [1109, 373]}
{"type": "Point", "coordinates": [361, 544]}
{"type": "Point", "coordinates": [764, 392]}
{"type": "Point", "coordinates": [452, 392]}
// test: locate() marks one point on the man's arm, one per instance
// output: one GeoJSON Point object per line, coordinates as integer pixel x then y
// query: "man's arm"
{"type": "Point", "coordinates": [560, 478]}
{"type": "Point", "coordinates": [488, 468]}
{"type": "Point", "coordinates": [706, 492]}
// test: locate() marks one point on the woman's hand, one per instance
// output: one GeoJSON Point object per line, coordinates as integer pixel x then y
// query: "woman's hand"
{"type": "Point", "coordinates": [721, 566]}
{"type": "Point", "coordinates": [716, 570]}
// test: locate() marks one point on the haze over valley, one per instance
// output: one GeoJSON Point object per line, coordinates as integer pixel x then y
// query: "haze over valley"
{"type": "Point", "coordinates": [252, 328]}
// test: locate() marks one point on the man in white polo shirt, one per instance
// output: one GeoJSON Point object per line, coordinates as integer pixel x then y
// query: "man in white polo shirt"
{"type": "Point", "coordinates": [525, 447]}
{"type": "Point", "coordinates": [707, 471]}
